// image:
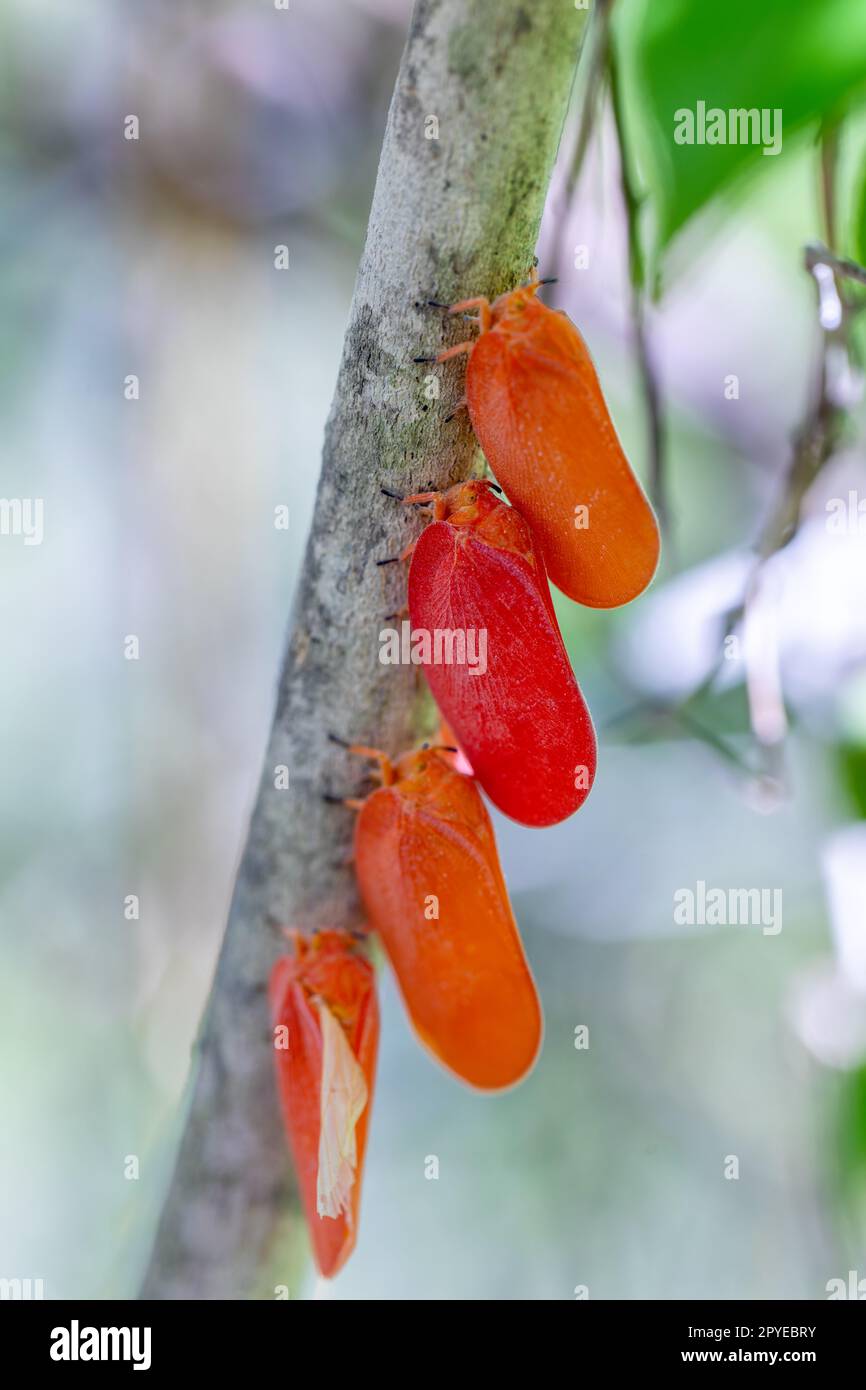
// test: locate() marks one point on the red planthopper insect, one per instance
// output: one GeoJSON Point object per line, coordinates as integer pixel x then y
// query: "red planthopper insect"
{"type": "Point", "coordinates": [429, 874]}
{"type": "Point", "coordinates": [477, 582]}
{"type": "Point", "coordinates": [326, 1035]}
{"type": "Point", "coordinates": [538, 412]}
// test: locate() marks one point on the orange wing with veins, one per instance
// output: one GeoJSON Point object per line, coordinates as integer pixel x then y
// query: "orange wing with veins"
{"type": "Point", "coordinates": [538, 412]}
{"type": "Point", "coordinates": [430, 878]}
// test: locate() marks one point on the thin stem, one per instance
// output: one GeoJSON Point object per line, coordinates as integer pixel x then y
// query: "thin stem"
{"type": "Point", "coordinates": [815, 254]}
{"type": "Point", "coordinates": [599, 39]}
{"type": "Point", "coordinates": [632, 200]}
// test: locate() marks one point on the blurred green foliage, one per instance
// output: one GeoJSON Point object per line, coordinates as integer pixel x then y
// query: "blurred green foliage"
{"type": "Point", "coordinates": [852, 769]}
{"type": "Point", "coordinates": [859, 232]}
{"type": "Point", "coordinates": [852, 1156]}
{"type": "Point", "coordinates": [807, 59]}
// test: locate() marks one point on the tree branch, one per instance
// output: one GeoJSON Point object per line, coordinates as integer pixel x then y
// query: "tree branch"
{"type": "Point", "coordinates": [451, 216]}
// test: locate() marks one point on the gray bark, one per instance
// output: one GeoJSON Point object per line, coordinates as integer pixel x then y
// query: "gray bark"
{"type": "Point", "coordinates": [452, 216]}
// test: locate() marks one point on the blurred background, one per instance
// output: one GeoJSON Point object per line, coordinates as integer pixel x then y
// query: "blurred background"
{"type": "Point", "coordinates": [164, 387]}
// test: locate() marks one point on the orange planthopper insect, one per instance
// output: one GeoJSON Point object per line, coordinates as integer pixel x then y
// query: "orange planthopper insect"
{"type": "Point", "coordinates": [538, 412]}
{"type": "Point", "coordinates": [326, 1036]}
{"type": "Point", "coordinates": [429, 875]}
{"type": "Point", "coordinates": [518, 716]}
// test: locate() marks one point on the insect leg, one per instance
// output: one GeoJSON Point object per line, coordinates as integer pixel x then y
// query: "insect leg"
{"type": "Point", "coordinates": [385, 768]}
{"type": "Point", "coordinates": [481, 303]}
{"type": "Point", "coordinates": [448, 353]}
{"type": "Point", "coordinates": [424, 498]}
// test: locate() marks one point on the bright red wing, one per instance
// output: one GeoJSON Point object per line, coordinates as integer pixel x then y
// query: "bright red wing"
{"type": "Point", "coordinates": [523, 723]}
{"type": "Point", "coordinates": [430, 878]}
{"type": "Point", "coordinates": [539, 414]}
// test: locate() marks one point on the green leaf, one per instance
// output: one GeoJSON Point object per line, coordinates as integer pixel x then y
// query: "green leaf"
{"type": "Point", "coordinates": [852, 1131]}
{"type": "Point", "coordinates": [860, 220]}
{"type": "Point", "coordinates": [805, 58]}
{"type": "Point", "coordinates": [852, 768]}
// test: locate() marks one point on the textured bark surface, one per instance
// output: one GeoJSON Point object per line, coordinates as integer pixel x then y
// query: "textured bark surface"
{"type": "Point", "coordinates": [451, 217]}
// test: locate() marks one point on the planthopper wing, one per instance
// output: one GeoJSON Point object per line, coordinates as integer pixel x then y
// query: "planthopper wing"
{"type": "Point", "coordinates": [325, 1092]}
{"type": "Point", "coordinates": [518, 713]}
{"type": "Point", "coordinates": [538, 411]}
{"type": "Point", "coordinates": [430, 878]}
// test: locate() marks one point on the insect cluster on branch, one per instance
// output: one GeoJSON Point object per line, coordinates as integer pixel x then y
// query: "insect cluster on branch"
{"type": "Point", "coordinates": [518, 729]}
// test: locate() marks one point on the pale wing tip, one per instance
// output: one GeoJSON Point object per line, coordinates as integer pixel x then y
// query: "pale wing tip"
{"type": "Point", "coordinates": [342, 1102]}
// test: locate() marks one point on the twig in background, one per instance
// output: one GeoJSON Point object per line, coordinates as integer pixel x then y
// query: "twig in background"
{"type": "Point", "coordinates": [815, 255]}
{"type": "Point", "coordinates": [632, 200]}
{"type": "Point", "coordinates": [596, 78]}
